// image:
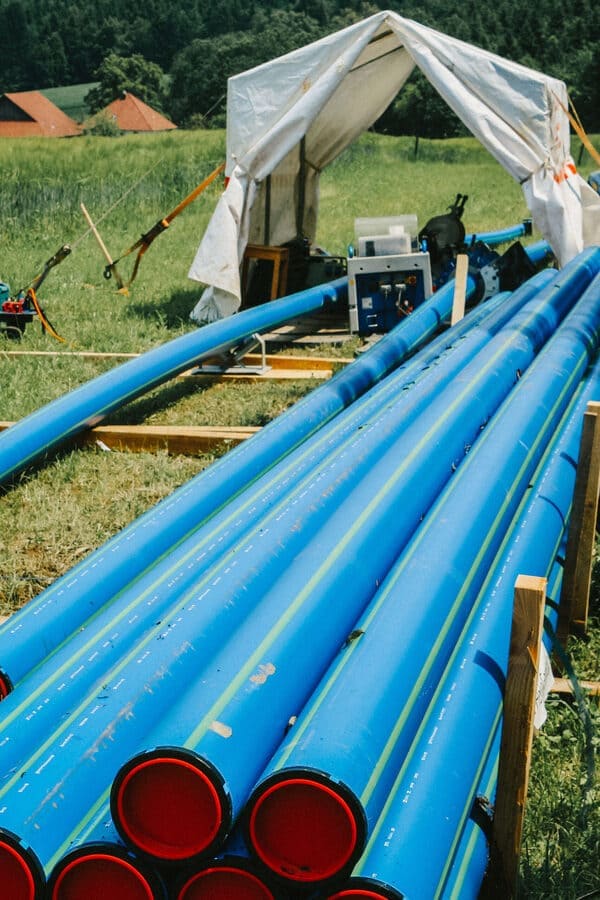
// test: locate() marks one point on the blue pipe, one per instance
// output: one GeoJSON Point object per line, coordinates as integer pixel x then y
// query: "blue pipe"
{"type": "Point", "coordinates": [52, 687]}
{"type": "Point", "coordinates": [358, 543]}
{"type": "Point", "coordinates": [431, 795]}
{"type": "Point", "coordinates": [441, 571]}
{"type": "Point", "coordinates": [179, 569]}
{"type": "Point", "coordinates": [472, 857]}
{"type": "Point", "coordinates": [51, 834]}
{"type": "Point", "coordinates": [48, 619]}
{"type": "Point", "coordinates": [89, 404]}
{"type": "Point", "coordinates": [15, 706]}
{"type": "Point", "coordinates": [146, 652]}
{"type": "Point", "coordinates": [51, 425]}
{"type": "Point", "coordinates": [539, 252]}
{"type": "Point", "coordinates": [39, 627]}
{"type": "Point", "coordinates": [500, 236]}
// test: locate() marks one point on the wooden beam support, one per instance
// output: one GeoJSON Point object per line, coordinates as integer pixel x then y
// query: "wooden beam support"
{"type": "Point", "coordinates": [575, 594]}
{"type": "Point", "coordinates": [76, 354]}
{"type": "Point", "coordinates": [283, 361]}
{"type": "Point", "coordinates": [175, 439]}
{"type": "Point", "coordinates": [564, 686]}
{"type": "Point", "coordinates": [277, 361]}
{"type": "Point", "coordinates": [460, 288]}
{"type": "Point", "coordinates": [295, 374]}
{"type": "Point", "coordinates": [517, 732]}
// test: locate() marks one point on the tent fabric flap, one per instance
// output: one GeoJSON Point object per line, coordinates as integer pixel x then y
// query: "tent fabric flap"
{"type": "Point", "coordinates": [291, 117]}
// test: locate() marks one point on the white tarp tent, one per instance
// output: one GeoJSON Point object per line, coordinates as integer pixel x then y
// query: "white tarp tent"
{"type": "Point", "coordinates": [290, 117]}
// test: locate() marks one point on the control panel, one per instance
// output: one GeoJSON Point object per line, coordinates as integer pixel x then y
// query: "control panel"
{"type": "Point", "coordinates": [382, 290]}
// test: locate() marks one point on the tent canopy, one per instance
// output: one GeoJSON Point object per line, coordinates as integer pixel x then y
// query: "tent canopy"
{"type": "Point", "coordinates": [290, 117]}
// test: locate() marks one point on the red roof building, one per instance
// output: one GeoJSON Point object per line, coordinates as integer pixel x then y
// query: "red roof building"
{"type": "Point", "coordinates": [132, 114]}
{"type": "Point", "coordinates": [30, 114]}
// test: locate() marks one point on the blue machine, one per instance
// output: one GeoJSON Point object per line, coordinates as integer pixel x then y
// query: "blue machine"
{"type": "Point", "coordinates": [382, 290]}
{"type": "Point", "coordinates": [396, 269]}
{"type": "Point", "coordinates": [389, 276]}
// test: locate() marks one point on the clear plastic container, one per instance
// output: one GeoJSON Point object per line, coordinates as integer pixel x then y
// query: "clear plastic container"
{"type": "Point", "coordinates": [367, 227]}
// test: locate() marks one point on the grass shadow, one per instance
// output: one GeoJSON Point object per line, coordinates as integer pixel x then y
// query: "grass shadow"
{"type": "Point", "coordinates": [174, 310]}
{"type": "Point", "coordinates": [136, 412]}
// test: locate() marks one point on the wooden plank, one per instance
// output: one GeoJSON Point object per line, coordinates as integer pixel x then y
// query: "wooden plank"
{"type": "Point", "coordinates": [460, 288]}
{"type": "Point", "coordinates": [275, 360]}
{"type": "Point", "coordinates": [564, 686]}
{"type": "Point", "coordinates": [575, 594]}
{"type": "Point", "coordinates": [283, 361]}
{"type": "Point", "coordinates": [517, 731]}
{"type": "Point", "coordinates": [255, 377]}
{"type": "Point", "coordinates": [179, 439]}
{"type": "Point", "coordinates": [175, 439]}
{"type": "Point", "coordinates": [307, 338]}
{"type": "Point", "coordinates": [79, 354]}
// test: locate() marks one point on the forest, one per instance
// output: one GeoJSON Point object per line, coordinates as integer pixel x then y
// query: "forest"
{"type": "Point", "coordinates": [189, 50]}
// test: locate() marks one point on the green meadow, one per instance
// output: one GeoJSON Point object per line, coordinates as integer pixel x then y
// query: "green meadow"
{"type": "Point", "coordinates": [56, 514]}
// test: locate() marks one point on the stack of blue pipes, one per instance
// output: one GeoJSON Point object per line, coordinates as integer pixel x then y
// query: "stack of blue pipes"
{"type": "Point", "coordinates": [271, 684]}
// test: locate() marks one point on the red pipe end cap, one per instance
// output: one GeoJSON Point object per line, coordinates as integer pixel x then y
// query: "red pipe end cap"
{"type": "Point", "coordinates": [101, 877]}
{"type": "Point", "coordinates": [356, 894]}
{"type": "Point", "coordinates": [16, 878]}
{"type": "Point", "coordinates": [303, 830]}
{"type": "Point", "coordinates": [5, 687]}
{"type": "Point", "coordinates": [225, 883]}
{"type": "Point", "coordinates": [169, 808]}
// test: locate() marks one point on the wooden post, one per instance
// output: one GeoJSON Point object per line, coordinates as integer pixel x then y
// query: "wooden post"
{"type": "Point", "coordinates": [460, 288]}
{"type": "Point", "coordinates": [103, 248]}
{"type": "Point", "coordinates": [517, 732]}
{"type": "Point", "coordinates": [575, 594]}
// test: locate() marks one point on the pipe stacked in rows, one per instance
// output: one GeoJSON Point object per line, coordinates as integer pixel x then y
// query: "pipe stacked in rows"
{"type": "Point", "coordinates": [295, 559]}
{"type": "Point", "coordinates": [251, 689]}
{"type": "Point", "coordinates": [44, 623]}
{"type": "Point", "coordinates": [409, 631]}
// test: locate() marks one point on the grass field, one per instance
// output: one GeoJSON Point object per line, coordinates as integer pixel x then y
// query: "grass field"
{"type": "Point", "coordinates": [54, 516]}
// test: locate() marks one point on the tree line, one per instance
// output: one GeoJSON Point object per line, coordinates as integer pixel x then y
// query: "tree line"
{"type": "Point", "coordinates": [178, 56]}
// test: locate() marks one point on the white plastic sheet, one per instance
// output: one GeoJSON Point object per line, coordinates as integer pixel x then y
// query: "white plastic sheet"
{"type": "Point", "coordinates": [292, 116]}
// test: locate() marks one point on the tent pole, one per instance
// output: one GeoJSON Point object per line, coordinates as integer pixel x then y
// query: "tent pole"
{"type": "Point", "coordinates": [301, 190]}
{"type": "Point", "coordinates": [267, 211]}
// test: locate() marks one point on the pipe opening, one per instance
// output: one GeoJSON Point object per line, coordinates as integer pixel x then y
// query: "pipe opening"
{"type": "Point", "coordinates": [226, 883]}
{"type": "Point", "coordinates": [303, 830]}
{"type": "Point", "coordinates": [100, 876]}
{"type": "Point", "coordinates": [357, 894]}
{"type": "Point", "coordinates": [168, 808]}
{"type": "Point", "coordinates": [17, 879]}
{"type": "Point", "coordinates": [5, 686]}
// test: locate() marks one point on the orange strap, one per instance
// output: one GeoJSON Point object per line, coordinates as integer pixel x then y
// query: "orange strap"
{"type": "Point", "coordinates": [45, 323]}
{"type": "Point", "coordinates": [578, 128]}
{"type": "Point", "coordinates": [195, 193]}
{"type": "Point", "coordinates": [146, 239]}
